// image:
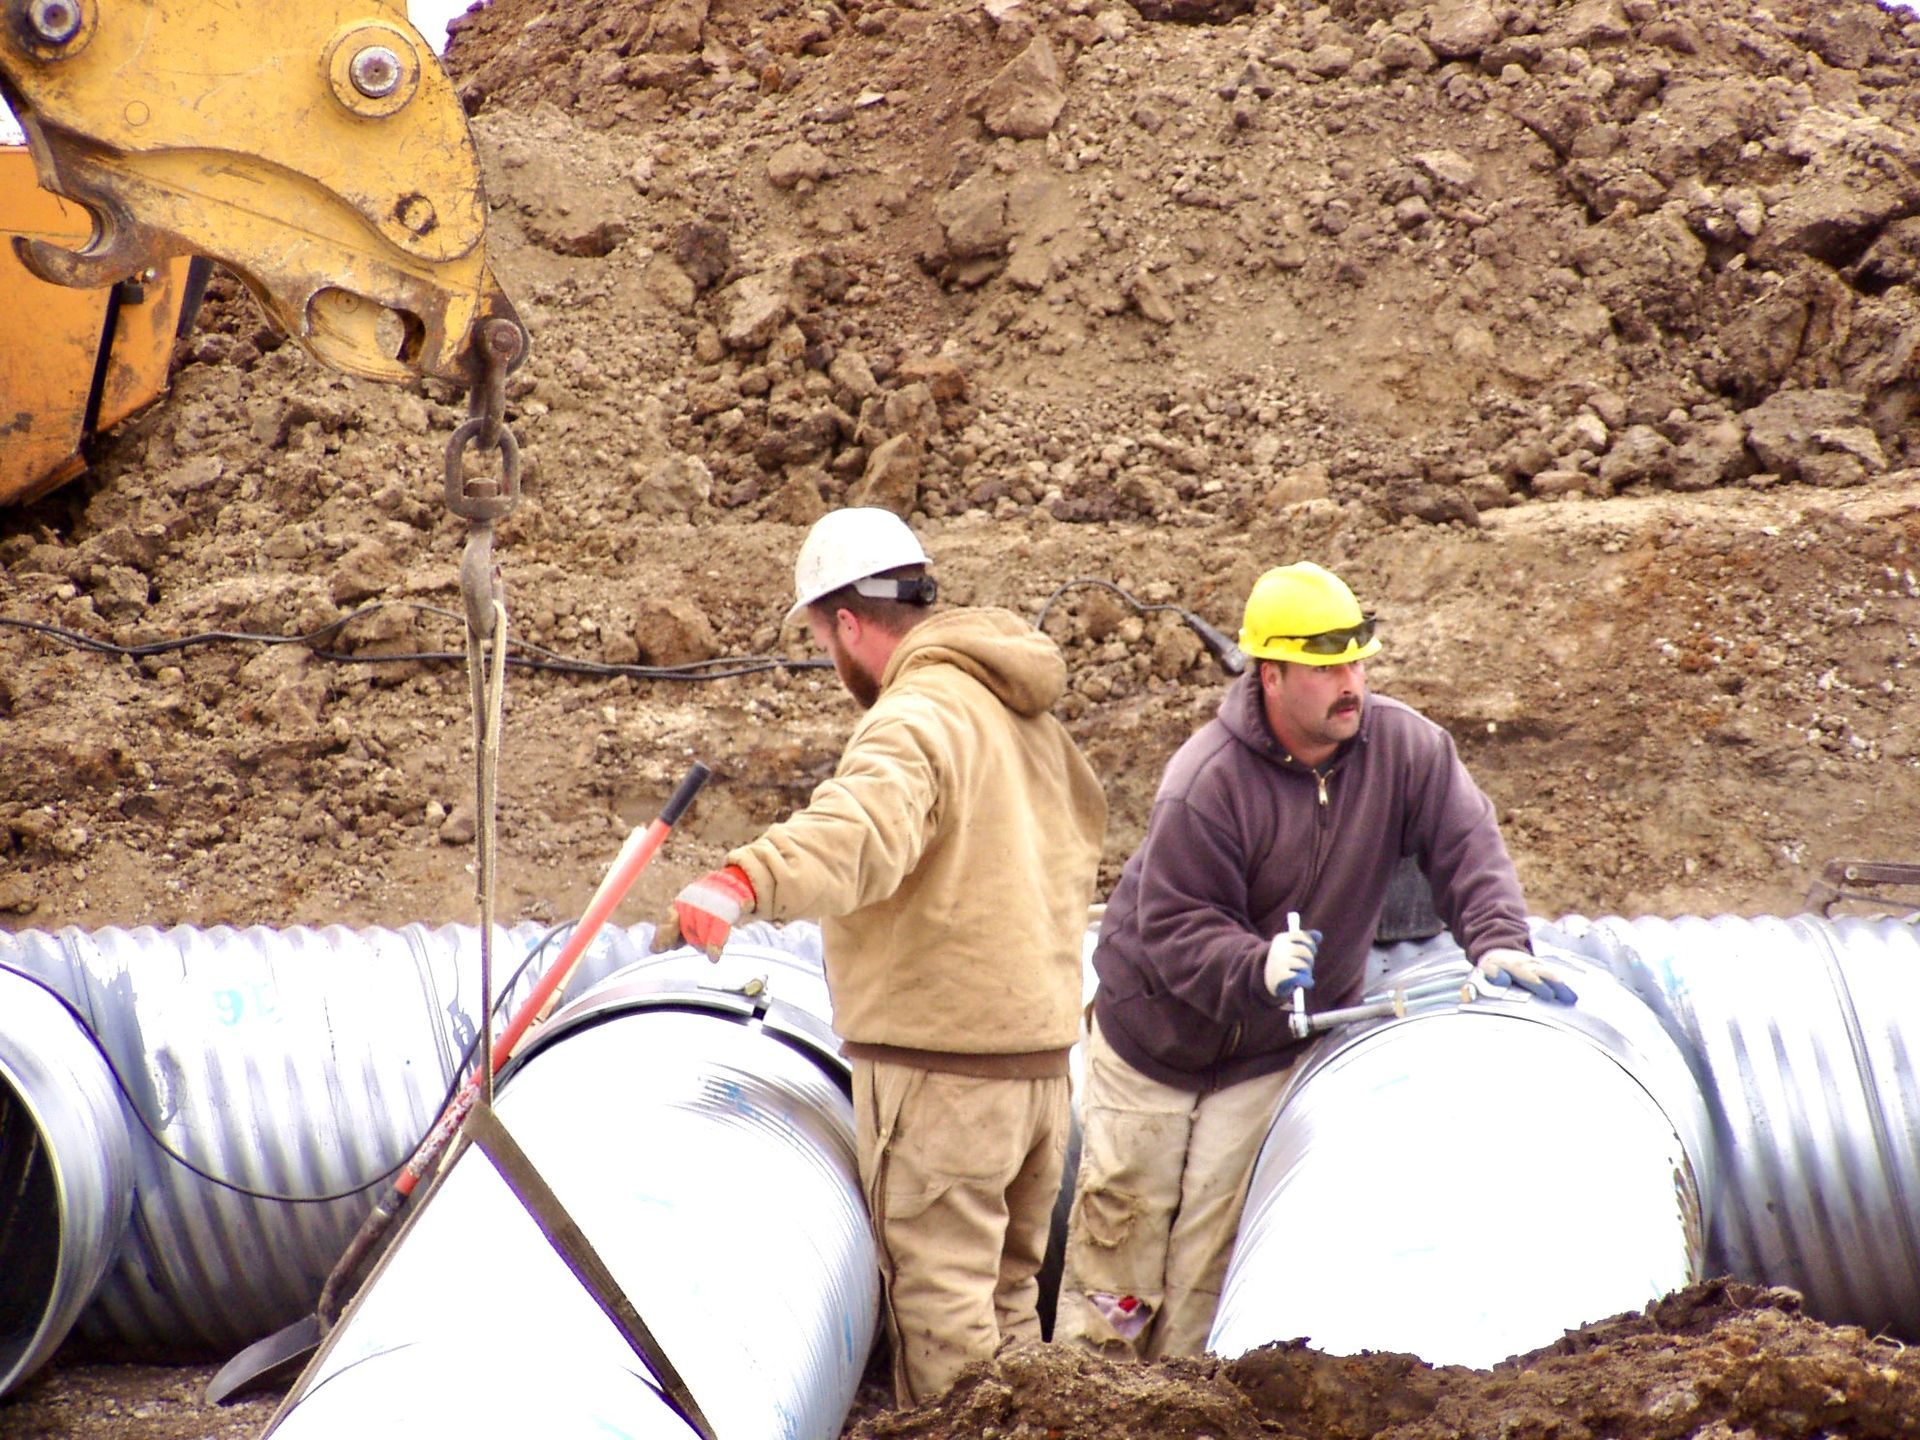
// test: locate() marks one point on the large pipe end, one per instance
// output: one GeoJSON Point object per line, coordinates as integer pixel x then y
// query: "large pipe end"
{"type": "Point", "coordinates": [1514, 1169]}
{"type": "Point", "coordinates": [66, 1168]}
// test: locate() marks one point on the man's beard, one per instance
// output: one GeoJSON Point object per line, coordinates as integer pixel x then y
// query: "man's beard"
{"type": "Point", "coordinates": [864, 688]}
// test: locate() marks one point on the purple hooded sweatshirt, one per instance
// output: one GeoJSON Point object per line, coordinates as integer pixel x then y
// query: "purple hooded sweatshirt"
{"type": "Point", "coordinates": [1241, 834]}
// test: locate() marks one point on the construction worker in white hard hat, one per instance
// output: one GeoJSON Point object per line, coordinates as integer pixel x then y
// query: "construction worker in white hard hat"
{"type": "Point", "coordinates": [1265, 865]}
{"type": "Point", "coordinates": [950, 860]}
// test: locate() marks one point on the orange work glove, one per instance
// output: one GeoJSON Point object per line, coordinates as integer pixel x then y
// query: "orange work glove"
{"type": "Point", "coordinates": [705, 912]}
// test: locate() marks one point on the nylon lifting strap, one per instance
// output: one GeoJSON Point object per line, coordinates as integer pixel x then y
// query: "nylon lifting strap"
{"type": "Point", "coordinates": [489, 696]}
{"type": "Point", "coordinates": [480, 503]}
{"type": "Point", "coordinates": [570, 1242]}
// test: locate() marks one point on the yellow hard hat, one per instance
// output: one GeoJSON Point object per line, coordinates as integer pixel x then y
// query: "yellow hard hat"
{"type": "Point", "coordinates": [1303, 613]}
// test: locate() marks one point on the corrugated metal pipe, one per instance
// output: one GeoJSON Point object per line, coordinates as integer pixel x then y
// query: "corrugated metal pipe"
{"type": "Point", "coordinates": [1730, 1096]}
{"type": "Point", "coordinates": [1470, 1180]}
{"type": "Point", "coordinates": [1751, 1072]}
{"type": "Point", "coordinates": [59, 1220]}
{"type": "Point", "coordinates": [696, 1126]}
{"type": "Point", "coordinates": [285, 1063]}
{"type": "Point", "coordinates": [1796, 1031]}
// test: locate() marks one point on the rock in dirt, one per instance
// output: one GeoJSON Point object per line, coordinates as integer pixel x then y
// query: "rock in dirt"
{"type": "Point", "coordinates": [675, 484]}
{"type": "Point", "coordinates": [1641, 455]}
{"type": "Point", "coordinates": [891, 479]}
{"type": "Point", "coordinates": [794, 162]}
{"type": "Point", "coordinates": [362, 573]}
{"type": "Point", "coordinates": [1026, 97]}
{"type": "Point", "coordinates": [672, 631]}
{"type": "Point", "coordinates": [703, 250]}
{"type": "Point", "coordinates": [973, 217]}
{"type": "Point", "coordinates": [1714, 453]}
{"type": "Point", "coordinates": [1819, 436]}
{"type": "Point", "coordinates": [1457, 29]}
{"type": "Point", "coordinates": [17, 895]}
{"type": "Point", "coordinates": [755, 309]}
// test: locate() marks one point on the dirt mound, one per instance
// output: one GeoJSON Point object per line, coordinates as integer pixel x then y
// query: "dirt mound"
{"type": "Point", "coordinates": [1578, 334]}
{"type": "Point", "coordinates": [1720, 1361]}
{"type": "Point", "coordinates": [1435, 260]}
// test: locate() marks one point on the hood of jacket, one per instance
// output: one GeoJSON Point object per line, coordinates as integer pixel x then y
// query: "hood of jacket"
{"type": "Point", "coordinates": [1243, 712]}
{"type": "Point", "coordinates": [1019, 665]}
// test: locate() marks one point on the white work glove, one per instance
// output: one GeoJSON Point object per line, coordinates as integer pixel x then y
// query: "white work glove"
{"type": "Point", "coordinates": [1507, 967]}
{"type": "Point", "coordinates": [1290, 961]}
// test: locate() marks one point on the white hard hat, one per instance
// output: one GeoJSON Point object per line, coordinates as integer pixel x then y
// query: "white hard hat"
{"type": "Point", "coordinates": [848, 545]}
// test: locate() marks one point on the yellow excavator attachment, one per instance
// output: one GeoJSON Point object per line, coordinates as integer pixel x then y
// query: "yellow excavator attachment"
{"type": "Point", "coordinates": [316, 149]}
{"type": "Point", "coordinates": [72, 362]}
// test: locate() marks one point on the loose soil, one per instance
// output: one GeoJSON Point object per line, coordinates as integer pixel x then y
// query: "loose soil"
{"type": "Point", "coordinates": [1579, 337]}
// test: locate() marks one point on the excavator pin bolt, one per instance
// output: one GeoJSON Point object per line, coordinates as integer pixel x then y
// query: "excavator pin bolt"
{"type": "Point", "coordinates": [416, 213]}
{"type": "Point", "coordinates": [502, 340]}
{"type": "Point", "coordinates": [54, 21]}
{"type": "Point", "coordinates": [375, 70]}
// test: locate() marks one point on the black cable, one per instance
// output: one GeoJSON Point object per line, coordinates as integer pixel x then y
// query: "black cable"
{"type": "Point", "coordinates": [163, 647]}
{"type": "Point", "coordinates": [1227, 655]}
{"type": "Point", "coordinates": [160, 1143]}
{"type": "Point", "coordinates": [718, 668]}
{"type": "Point", "coordinates": [542, 658]}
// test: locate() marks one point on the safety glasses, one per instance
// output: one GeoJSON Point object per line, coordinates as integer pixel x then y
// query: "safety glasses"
{"type": "Point", "coordinates": [1331, 642]}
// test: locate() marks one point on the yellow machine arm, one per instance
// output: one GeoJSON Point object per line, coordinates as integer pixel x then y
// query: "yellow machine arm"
{"type": "Point", "coordinates": [314, 147]}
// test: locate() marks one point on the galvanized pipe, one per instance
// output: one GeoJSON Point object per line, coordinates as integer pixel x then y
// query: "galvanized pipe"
{"type": "Point", "coordinates": [1797, 1032]}
{"type": "Point", "coordinates": [695, 1124]}
{"type": "Point", "coordinates": [59, 1220]}
{"type": "Point", "coordinates": [234, 1046]}
{"type": "Point", "coordinates": [288, 1062]}
{"type": "Point", "coordinates": [1468, 1182]}
{"type": "Point", "coordinates": [311, 1061]}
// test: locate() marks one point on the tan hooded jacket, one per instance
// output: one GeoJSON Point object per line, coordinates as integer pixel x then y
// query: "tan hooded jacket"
{"type": "Point", "coordinates": [951, 857]}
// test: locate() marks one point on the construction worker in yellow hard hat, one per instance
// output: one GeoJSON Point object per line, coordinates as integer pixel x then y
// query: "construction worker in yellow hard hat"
{"type": "Point", "coordinates": [1275, 833]}
{"type": "Point", "coordinates": [1304, 613]}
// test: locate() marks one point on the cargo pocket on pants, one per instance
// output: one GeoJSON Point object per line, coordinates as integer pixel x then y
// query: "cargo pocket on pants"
{"type": "Point", "coordinates": [951, 1131]}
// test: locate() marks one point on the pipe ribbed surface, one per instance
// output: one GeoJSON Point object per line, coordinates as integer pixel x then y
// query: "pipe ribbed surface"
{"type": "Point", "coordinates": [66, 1175]}
{"type": "Point", "coordinates": [1468, 1183]}
{"type": "Point", "coordinates": [1797, 1032]}
{"type": "Point", "coordinates": [697, 1129]}
{"type": "Point", "coordinates": [309, 1061]}
{"type": "Point", "coordinates": [295, 1062]}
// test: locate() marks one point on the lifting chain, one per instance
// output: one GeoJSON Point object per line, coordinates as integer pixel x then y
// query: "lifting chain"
{"type": "Point", "coordinates": [480, 503]}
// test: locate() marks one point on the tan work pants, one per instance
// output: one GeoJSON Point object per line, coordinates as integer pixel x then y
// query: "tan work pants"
{"type": "Point", "coordinates": [1163, 1177]}
{"type": "Point", "coordinates": [960, 1175]}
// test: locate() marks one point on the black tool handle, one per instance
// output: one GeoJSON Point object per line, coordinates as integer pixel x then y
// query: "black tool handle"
{"type": "Point", "coordinates": [683, 794]}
